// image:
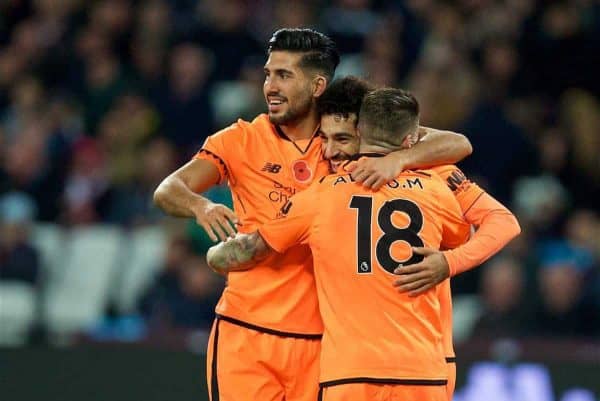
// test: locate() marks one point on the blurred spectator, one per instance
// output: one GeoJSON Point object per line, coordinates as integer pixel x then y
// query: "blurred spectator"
{"type": "Point", "coordinates": [132, 204]}
{"type": "Point", "coordinates": [241, 98]}
{"type": "Point", "coordinates": [563, 309]}
{"type": "Point", "coordinates": [561, 312]}
{"type": "Point", "coordinates": [185, 293]}
{"type": "Point", "coordinates": [148, 47]}
{"type": "Point", "coordinates": [580, 115]}
{"type": "Point", "coordinates": [32, 165]}
{"type": "Point", "coordinates": [492, 133]}
{"type": "Point", "coordinates": [381, 59]}
{"type": "Point", "coordinates": [292, 14]}
{"type": "Point", "coordinates": [502, 293]}
{"type": "Point", "coordinates": [18, 259]}
{"type": "Point", "coordinates": [85, 191]}
{"type": "Point", "coordinates": [499, 61]}
{"type": "Point", "coordinates": [349, 22]}
{"type": "Point", "coordinates": [540, 202]}
{"type": "Point", "coordinates": [184, 103]}
{"type": "Point", "coordinates": [223, 29]}
{"type": "Point", "coordinates": [124, 129]}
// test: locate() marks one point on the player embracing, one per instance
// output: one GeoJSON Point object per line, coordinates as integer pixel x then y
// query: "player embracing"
{"type": "Point", "coordinates": [265, 341]}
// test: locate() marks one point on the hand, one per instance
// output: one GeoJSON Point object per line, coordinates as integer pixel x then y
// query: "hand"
{"type": "Point", "coordinates": [217, 220]}
{"type": "Point", "coordinates": [420, 277]}
{"type": "Point", "coordinates": [374, 172]}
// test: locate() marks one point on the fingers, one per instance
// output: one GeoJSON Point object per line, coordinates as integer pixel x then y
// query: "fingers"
{"type": "Point", "coordinates": [411, 269]}
{"type": "Point", "coordinates": [359, 175]}
{"type": "Point", "coordinates": [413, 286]}
{"type": "Point", "coordinates": [420, 290]}
{"type": "Point", "coordinates": [351, 167]}
{"type": "Point", "coordinates": [227, 226]}
{"type": "Point", "coordinates": [219, 222]}
{"type": "Point", "coordinates": [423, 251]}
{"type": "Point", "coordinates": [409, 279]}
{"type": "Point", "coordinates": [219, 230]}
{"type": "Point", "coordinates": [370, 181]}
{"type": "Point", "coordinates": [208, 229]}
{"type": "Point", "coordinates": [379, 183]}
{"type": "Point", "coordinates": [230, 215]}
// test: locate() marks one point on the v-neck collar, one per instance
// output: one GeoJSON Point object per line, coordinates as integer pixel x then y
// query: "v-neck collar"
{"type": "Point", "coordinates": [283, 136]}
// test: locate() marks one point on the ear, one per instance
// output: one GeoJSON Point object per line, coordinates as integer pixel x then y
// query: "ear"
{"type": "Point", "coordinates": [410, 140]}
{"type": "Point", "coordinates": [319, 85]}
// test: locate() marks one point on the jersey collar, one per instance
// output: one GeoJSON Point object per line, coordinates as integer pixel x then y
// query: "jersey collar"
{"type": "Point", "coordinates": [283, 136]}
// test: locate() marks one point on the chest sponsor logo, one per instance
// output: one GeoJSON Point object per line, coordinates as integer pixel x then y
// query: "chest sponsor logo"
{"type": "Point", "coordinates": [281, 193]}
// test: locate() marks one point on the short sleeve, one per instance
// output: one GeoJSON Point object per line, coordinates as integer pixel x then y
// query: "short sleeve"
{"type": "Point", "coordinates": [221, 149]}
{"type": "Point", "coordinates": [293, 223]}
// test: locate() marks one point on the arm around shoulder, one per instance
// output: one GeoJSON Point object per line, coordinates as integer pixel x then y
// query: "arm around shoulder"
{"type": "Point", "coordinates": [437, 147]}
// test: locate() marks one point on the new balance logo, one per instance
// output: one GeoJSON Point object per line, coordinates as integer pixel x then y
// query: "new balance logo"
{"type": "Point", "coordinates": [271, 168]}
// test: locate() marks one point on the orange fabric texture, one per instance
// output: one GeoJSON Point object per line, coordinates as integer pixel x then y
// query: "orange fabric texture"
{"type": "Point", "coordinates": [357, 238]}
{"type": "Point", "coordinates": [451, 385]}
{"type": "Point", "coordinates": [251, 365]}
{"type": "Point", "coordinates": [264, 169]}
{"type": "Point", "coordinates": [496, 227]}
{"type": "Point", "coordinates": [383, 392]}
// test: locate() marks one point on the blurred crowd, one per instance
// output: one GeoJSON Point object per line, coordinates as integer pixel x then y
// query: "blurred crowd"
{"type": "Point", "coordinates": [100, 100]}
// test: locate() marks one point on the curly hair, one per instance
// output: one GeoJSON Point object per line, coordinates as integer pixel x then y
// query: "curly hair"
{"type": "Point", "coordinates": [343, 96]}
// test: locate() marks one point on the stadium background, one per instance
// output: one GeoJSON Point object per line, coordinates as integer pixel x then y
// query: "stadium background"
{"type": "Point", "coordinates": [102, 297]}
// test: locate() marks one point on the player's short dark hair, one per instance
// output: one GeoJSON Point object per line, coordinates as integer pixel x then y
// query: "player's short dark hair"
{"type": "Point", "coordinates": [343, 96]}
{"type": "Point", "coordinates": [320, 51]}
{"type": "Point", "coordinates": [387, 116]}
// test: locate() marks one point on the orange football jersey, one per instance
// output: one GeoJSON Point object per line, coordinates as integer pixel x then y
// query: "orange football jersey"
{"type": "Point", "coordinates": [475, 205]}
{"type": "Point", "coordinates": [358, 237]}
{"type": "Point", "coordinates": [264, 169]}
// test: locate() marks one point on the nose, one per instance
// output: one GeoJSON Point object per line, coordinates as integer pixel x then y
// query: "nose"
{"type": "Point", "coordinates": [270, 86]}
{"type": "Point", "coordinates": [330, 151]}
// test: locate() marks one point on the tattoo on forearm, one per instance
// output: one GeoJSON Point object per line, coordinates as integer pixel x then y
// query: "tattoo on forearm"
{"type": "Point", "coordinates": [239, 253]}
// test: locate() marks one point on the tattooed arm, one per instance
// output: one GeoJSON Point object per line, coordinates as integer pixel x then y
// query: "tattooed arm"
{"type": "Point", "coordinates": [239, 253]}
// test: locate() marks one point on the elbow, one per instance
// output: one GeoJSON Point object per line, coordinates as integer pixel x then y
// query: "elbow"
{"type": "Point", "coordinates": [158, 198]}
{"type": "Point", "coordinates": [515, 228]}
{"type": "Point", "coordinates": [466, 146]}
{"type": "Point", "coordinates": [212, 261]}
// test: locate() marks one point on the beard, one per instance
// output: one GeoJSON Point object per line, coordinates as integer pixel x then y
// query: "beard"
{"type": "Point", "coordinates": [293, 114]}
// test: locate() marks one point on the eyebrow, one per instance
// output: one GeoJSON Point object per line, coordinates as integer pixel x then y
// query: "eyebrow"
{"type": "Point", "coordinates": [336, 134]}
{"type": "Point", "coordinates": [279, 70]}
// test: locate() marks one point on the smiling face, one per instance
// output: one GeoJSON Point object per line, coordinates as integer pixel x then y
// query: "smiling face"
{"type": "Point", "coordinates": [339, 138]}
{"type": "Point", "coordinates": [288, 89]}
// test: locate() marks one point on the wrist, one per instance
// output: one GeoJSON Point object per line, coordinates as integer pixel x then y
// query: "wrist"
{"type": "Point", "coordinates": [450, 262]}
{"type": "Point", "coordinates": [399, 161]}
{"type": "Point", "coordinates": [199, 204]}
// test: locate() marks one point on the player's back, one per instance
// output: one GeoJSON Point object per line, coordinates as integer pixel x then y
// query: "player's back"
{"type": "Point", "coordinates": [358, 238]}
